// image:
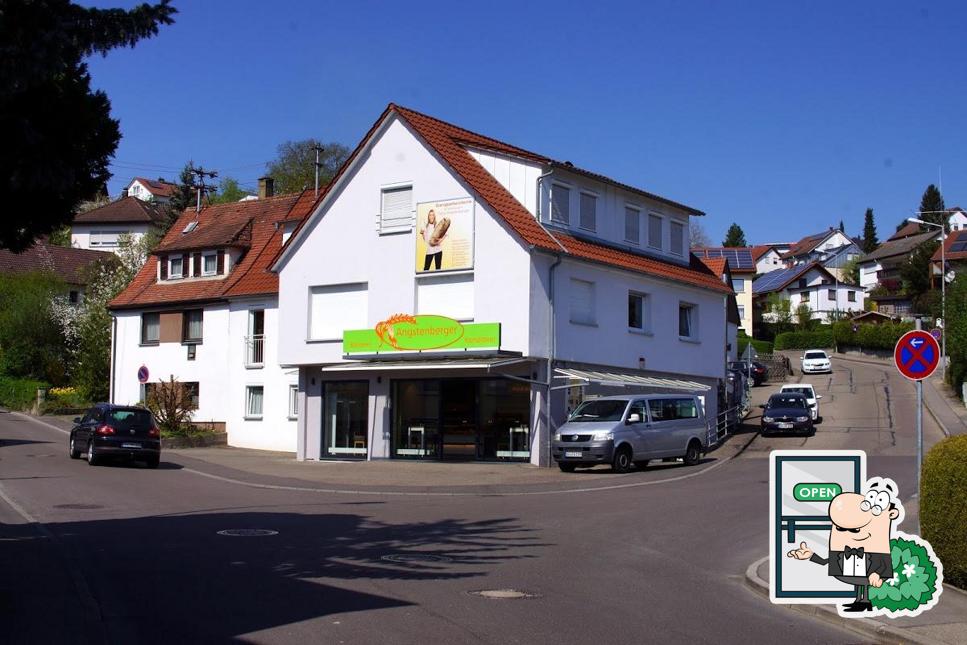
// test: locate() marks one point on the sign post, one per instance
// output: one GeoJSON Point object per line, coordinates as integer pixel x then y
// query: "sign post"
{"type": "Point", "coordinates": [916, 356]}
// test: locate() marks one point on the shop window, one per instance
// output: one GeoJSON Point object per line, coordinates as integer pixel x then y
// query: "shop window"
{"type": "Point", "coordinates": [687, 321]}
{"type": "Point", "coordinates": [678, 238]}
{"type": "Point", "coordinates": [191, 327]}
{"type": "Point", "coordinates": [396, 210]}
{"type": "Point", "coordinates": [632, 225]}
{"type": "Point", "coordinates": [450, 296]}
{"type": "Point", "coordinates": [336, 308]}
{"type": "Point", "coordinates": [589, 214]}
{"type": "Point", "coordinates": [346, 414]}
{"type": "Point", "coordinates": [293, 401]}
{"type": "Point", "coordinates": [582, 302]}
{"type": "Point", "coordinates": [560, 204]}
{"type": "Point", "coordinates": [150, 328]}
{"type": "Point", "coordinates": [639, 311]}
{"type": "Point", "coordinates": [253, 401]}
{"type": "Point", "coordinates": [654, 232]}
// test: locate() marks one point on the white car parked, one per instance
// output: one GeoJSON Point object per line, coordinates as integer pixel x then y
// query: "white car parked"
{"type": "Point", "coordinates": [815, 361]}
{"type": "Point", "coordinates": [809, 392]}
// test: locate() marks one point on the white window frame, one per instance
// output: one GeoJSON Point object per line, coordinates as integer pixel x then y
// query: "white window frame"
{"type": "Point", "coordinates": [594, 215]}
{"type": "Point", "coordinates": [661, 232]}
{"type": "Point", "coordinates": [204, 261]}
{"type": "Point", "coordinates": [181, 267]}
{"type": "Point", "coordinates": [741, 309]}
{"type": "Point", "coordinates": [98, 241]}
{"type": "Point", "coordinates": [693, 331]}
{"type": "Point", "coordinates": [249, 415]}
{"type": "Point", "coordinates": [293, 401]}
{"type": "Point", "coordinates": [399, 223]}
{"type": "Point", "coordinates": [553, 217]}
{"type": "Point", "coordinates": [637, 211]}
{"type": "Point", "coordinates": [645, 312]}
{"type": "Point", "coordinates": [592, 321]}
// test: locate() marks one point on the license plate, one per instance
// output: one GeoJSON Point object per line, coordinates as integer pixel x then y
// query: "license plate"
{"type": "Point", "coordinates": [572, 453]}
{"type": "Point", "coordinates": [130, 445]}
{"type": "Point", "coordinates": [784, 426]}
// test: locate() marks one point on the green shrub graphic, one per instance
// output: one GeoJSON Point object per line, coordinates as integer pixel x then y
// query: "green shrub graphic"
{"type": "Point", "coordinates": [914, 580]}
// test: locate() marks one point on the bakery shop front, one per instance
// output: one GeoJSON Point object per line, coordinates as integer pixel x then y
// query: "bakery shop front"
{"type": "Point", "coordinates": [425, 387]}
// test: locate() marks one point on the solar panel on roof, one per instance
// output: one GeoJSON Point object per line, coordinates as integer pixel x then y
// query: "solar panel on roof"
{"type": "Point", "coordinates": [958, 247]}
{"type": "Point", "coordinates": [775, 279]}
{"type": "Point", "coordinates": [738, 258]}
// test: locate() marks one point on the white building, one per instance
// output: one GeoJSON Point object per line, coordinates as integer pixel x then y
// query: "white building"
{"type": "Point", "coordinates": [204, 309]}
{"type": "Point", "coordinates": [958, 219]}
{"type": "Point", "coordinates": [150, 190]}
{"type": "Point", "coordinates": [100, 228]}
{"type": "Point", "coordinates": [768, 257]}
{"type": "Point", "coordinates": [816, 247]}
{"type": "Point", "coordinates": [547, 273]}
{"type": "Point", "coordinates": [810, 284]}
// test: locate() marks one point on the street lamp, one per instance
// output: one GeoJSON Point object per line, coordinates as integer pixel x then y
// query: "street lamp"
{"type": "Point", "coordinates": [943, 283]}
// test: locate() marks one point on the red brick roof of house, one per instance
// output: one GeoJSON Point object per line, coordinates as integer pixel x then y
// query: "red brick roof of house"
{"type": "Point", "coordinates": [807, 244]}
{"type": "Point", "coordinates": [69, 264]}
{"type": "Point", "coordinates": [954, 237]}
{"type": "Point", "coordinates": [911, 228]}
{"type": "Point", "coordinates": [127, 210]}
{"type": "Point", "coordinates": [451, 143]}
{"type": "Point", "coordinates": [157, 187]}
{"type": "Point", "coordinates": [761, 249]}
{"type": "Point", "coordinates": [253, 226]}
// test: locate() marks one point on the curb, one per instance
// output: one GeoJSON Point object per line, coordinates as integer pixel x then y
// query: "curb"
{"type": "Point", "coordinates": [865, 626]}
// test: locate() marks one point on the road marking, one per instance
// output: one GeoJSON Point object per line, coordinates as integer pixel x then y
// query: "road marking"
{"type": "Point", "coordinates": [43, 423]}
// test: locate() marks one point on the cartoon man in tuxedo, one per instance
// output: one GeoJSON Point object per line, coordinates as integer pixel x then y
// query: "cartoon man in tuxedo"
{"type": "Point", "coordinates": [859, 541]}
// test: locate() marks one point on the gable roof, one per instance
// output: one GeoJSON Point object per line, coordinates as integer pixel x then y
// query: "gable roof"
{"type": "Point", "coordinates": [220, 225]}
{"type": "Point", "coordinates": [810, 242]}
{"type": "Point", "coordinates": [910, 228]}
{"type": "Point", "coordinates": [127, 210]}
{"type": "Point", "coordinates": [451, 144]}
{"type": "Point", "coordinates": [69, 264]}
{"type": "Point", "coordinates": [955, 240]}
{"type": "Point", "coordinates": [717, 266]}
{"type": "Point", "coordinates": [740, 257]}
{"type": "Point", "coordinates": [781, 278]}
{"type": "Point", "coordinates": [902, 246]}
{"type": "Point", "coordinates": [761, 249]}
{"type": "Point", "coordinates": [157, 187]}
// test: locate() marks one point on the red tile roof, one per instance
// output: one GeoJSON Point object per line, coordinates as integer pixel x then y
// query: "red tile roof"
{"type": "Point", "coordinates": [952, 238]}
{"type": "Point", "coordinates": [157, 187]}
{"type": "Point", "coordinates": [125, 210]}
{"type": "Point", "coordinates": [715, 265]}
{"type": "Point", "coordinates": [759, 250]}
{"type": "Point", "coordinates": [911, 228]}
{"type": "Point", "coordinates": [249, 276]}
{"type": "Point", "coordinates": [808, 243]}
{"type": "Point", "coordinates": [450, 142]}
{"type": "Point", "coordinates": [68, 264]}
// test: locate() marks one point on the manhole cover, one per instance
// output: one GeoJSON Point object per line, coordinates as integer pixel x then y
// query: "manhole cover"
{"type": "Point", "coordinates": [79, 507]}
{"type": "Point", "coordinates": [405, 558]}
{"type": "Point", "coordinates": [503, 594]}
{"type": "Point", "coordinates": [248, 532]}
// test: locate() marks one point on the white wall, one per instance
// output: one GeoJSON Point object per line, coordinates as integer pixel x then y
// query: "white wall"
{"type": "Point", "coordinates": [958, 221]}
{"type": "Point", "coordinates": [868, 272]}
{"type": "Point", "coordinates": [768, 262]}
{"type": "Point", "coordinates": [519, 177]}
{"type": "Point", "coordinates": [81, 234]}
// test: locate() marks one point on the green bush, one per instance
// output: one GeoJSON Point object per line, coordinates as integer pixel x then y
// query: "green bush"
{"type": "Point", "coordinates": [760, 346]}
{"type": "Point", "coordinates": [869, 336]}
{"type": "Point", "coordinates": [805, 339]}
{"type": "Point", "coordinates": [943, 506]}
{"type": "Point", "coordinates": [19, 394]}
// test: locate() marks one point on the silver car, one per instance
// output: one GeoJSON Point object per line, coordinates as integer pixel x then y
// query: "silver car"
{"type": "Point", "coordinates": [631, 430]}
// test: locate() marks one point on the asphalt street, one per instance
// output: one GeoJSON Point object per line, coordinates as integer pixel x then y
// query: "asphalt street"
{"type": "Point", "coordinates": [123, 554]}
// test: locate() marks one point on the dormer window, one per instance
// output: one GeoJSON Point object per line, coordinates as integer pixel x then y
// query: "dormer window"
{"type": "Point", "coordinates": [209, 263]}
{"type": "Point", "coordinates": [175, 267]}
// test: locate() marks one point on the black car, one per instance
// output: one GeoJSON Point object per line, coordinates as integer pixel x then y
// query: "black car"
{"type": "Point", "coordinates": [787, 412]}
{"type": "Point", "coordinates": [759, 371]}
{"type": "Point", "coordinates": [108, 431]}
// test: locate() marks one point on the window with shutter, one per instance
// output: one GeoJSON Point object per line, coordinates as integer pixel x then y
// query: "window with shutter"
{"type": "Point", "coordinates": [336, 308]}
{"type": "Point", "coordinates": [589, 207]}
{"type": "Point", "coordinates": [196, 264]}
{"type": "Point", "coordinates": [396, 210]}
{"type": "Point", "coordinates": [560, 204]}
{"type": "Point", "coordinates": [654, 231]}
{"type": "Point", "coordinates": [163, 261]}
{"type": "Point", "coordinates": [221, 262]}
{"type": "Point", "coordinates": [582, 302]}
{"type": "Point", "coordinates": [678, 238]}
{"type": "Point", "coordinates": [632, 225]}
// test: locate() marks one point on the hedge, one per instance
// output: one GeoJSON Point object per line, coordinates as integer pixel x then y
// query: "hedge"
{"type": "Point", "coordinates": [869, 336]}
{"type": "Point", "coordinates": [760, 346]}
{"type": "Point", "coordinates": [943, 506]}
{"type": "Point", "coordinates": [19, 394]}
{"type": "Point", "coordinates": [818, 339]}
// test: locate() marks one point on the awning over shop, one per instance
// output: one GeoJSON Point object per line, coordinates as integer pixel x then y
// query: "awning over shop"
{"type": "Point", "coordinates": [490, 364]}
{"type": "Point", "coordinates": [590, 377]}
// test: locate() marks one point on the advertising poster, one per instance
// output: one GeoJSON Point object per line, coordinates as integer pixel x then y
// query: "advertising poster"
{"type": "Point", "coordinates": [444, 235]}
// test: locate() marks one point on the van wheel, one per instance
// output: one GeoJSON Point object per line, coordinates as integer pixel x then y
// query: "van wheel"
{"type": "Point", "coordinates": [622, 460]}
{"type": "Point", "coordinates": [641, 464]}
{"type": "Point", "coordinates": [566, 468]}
{"type": "Point", "coordinates": [693, 453]}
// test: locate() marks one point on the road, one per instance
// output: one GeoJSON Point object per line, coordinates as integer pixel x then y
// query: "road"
{"type": "Point", "coordinates": [125, 554]}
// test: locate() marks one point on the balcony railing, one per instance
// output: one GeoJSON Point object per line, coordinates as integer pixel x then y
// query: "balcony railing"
{"type": "Point", "coordinates": [255, 350]}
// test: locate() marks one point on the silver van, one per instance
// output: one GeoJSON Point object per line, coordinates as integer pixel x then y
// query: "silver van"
{"type": "Point", "coordinates": [630, 430]}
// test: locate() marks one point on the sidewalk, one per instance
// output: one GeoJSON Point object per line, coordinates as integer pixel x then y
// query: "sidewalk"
{"type": "Point", "coordinates": [949, 413]}
{"type": "Point", "coordinates": [945, 623]}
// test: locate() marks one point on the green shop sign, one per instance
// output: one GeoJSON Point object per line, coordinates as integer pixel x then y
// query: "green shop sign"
{"type": "Point", "coordinates": [816, 492]}
{"type": "Point", "coordinates": [405, 333]}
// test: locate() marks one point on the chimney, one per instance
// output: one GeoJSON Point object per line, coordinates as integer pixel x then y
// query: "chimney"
{"type": "Point", "coordinates": [266, 187]}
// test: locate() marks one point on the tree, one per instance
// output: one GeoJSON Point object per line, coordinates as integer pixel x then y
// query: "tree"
{"type": "Point", "coordinates": [842, 227]}
{"type": "Point", "coordinates": [293, 168]}
{"type": "Point", "coordinates": [698, 238]}
{"type": "Point", "coordinates": [58, 135]}
{"type": "Point", "coordinates": [851, 271]}
{"type": "Point", "coordinates": [734, 236]}
{"type": "Point", "coordinates": [932, 208]}
{"type": "Point", "coordinates": [32, 340]}
{"type": "Point", "coordinates": [869, 232]}
{"type": "Point", "coordinates": [779, 307]}
{"type": "Point", "coordinates": [915, 272]}
{"type": "Point", "coordinates": [228, 191]}
{"type": "Point", "coordinates": [170, 403]}
{"type": "Point", "coordinates": [92, 370]}
{"type": "Point", "coordinates": [804, 314]}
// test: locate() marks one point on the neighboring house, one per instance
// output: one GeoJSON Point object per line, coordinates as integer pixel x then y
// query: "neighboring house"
{"type": "Point", "coordinates": [838, 259]}
{"type": "Point", "coordinates": [816, 247]}
{"type": "Point", "coordinates": [742, 268]}
{"type": "Point", "coordinates": [955, 255]}
{"type": "Point", "coordinates": [150, 190]}
{"type": "Point", "coordinates": [873, 318]}
{"type": "Point", "coordinates": [768, 257]}
{"type": "Point", "coordinates": [204, 309]}
{"type": "Point", "coordinates": [73, 266]}
{"type": "Point", "coordinates": [881, 267]}
{"type": "Point", "coordinates": [812, 284]}
{"type": "Point", "coordinates": [720, 266]}
{"type": "Point", "coordinates": [101, 227]}
{"type": "Point", "coordinates": [958, 219]}
{"type": "Point", "coordinates": [548, 274]}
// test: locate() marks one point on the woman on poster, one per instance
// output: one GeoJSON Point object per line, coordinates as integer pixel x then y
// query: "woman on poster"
{"type": "Point", "coordinates": [433, 237]}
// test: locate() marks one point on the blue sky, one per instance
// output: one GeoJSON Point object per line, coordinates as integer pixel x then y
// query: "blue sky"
{"type": "Point", "coordinates": [783, 117]}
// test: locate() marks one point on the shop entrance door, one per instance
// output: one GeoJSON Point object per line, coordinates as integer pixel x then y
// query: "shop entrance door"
{"type": "Point", "coordinates": [458, 418]}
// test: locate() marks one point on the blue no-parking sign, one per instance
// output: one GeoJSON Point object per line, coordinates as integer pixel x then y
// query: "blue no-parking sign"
{"type": "Point", "coordinates": [916, 354]}
{"type": "Point", "coordinates": [143, 374]}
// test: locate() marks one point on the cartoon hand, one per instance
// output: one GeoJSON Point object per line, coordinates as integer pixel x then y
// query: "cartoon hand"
{"type": "Point", "coordinates": [802, 553]}
{"type": "Point", "coordinates": [876, 580]}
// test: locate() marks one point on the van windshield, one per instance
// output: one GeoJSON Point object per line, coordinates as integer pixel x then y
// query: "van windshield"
{"type": "Point", "coordinates": [609, 410]}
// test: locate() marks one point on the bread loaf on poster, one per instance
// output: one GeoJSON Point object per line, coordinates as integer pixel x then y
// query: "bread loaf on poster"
{"type": "Point", "coordinates": [439, 231]}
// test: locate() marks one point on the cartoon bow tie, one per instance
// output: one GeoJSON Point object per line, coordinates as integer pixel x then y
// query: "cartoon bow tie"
{"type": "Point", "coordinates": [854, 553]}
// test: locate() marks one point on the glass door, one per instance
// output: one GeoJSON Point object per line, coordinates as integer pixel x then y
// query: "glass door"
{"type": "Point", "coordinates": [345, 419]}
{"type": "Point", "coordinates": [416, 419]}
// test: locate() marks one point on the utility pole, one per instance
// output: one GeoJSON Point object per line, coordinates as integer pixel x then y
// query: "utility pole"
{"type": "Point", "coordinates": [318, 165]}
{"type": "Point", "coordinates": [200, 174]}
